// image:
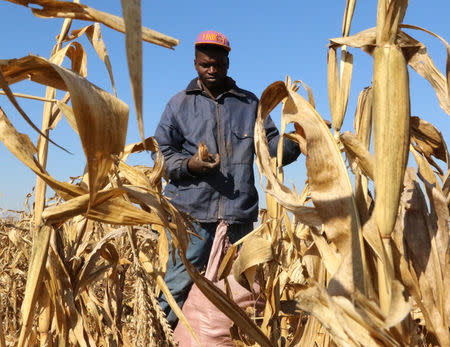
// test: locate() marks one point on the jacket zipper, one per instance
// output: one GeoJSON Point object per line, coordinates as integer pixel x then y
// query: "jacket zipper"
{"type": "Point", "coordinates": [221, 153]}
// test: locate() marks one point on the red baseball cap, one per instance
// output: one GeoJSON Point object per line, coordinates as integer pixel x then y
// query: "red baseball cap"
{"type": "Point", "coordinates": [212, 37]}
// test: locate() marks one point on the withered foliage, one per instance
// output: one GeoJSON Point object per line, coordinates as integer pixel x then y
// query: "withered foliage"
{"type": "Point", "coordinates": [338, 264]}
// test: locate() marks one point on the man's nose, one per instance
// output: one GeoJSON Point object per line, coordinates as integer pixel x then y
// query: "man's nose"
{"type": "Point", "coordinates": [212, 70]}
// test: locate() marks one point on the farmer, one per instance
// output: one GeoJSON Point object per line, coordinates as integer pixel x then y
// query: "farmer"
{"type": "Point", "coordinates": [215, 111]}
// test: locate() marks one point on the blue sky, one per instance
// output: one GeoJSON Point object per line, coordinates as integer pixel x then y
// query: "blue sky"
{"type": "Point", "coordinates": [269, 40]}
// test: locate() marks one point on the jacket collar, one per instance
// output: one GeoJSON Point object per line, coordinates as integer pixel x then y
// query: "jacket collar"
{"type": "Point", "coordinates": [195, 87]}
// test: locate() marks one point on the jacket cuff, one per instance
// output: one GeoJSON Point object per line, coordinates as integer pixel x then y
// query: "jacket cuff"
{"type": "Point", "coordinates": [184, 171]}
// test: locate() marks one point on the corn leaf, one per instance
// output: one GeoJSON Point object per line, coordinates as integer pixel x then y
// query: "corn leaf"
{"type": "Point", "coordinates": [101, 118]}
{"type": "Point", "coordinates": [133, 24]}
{"type": "Point", "coordinates": [269, 99]}
{"type": "Point", "coordinates": [330, 186]}
{"type": "Point", "coordinates": [341, 319]}
{"type": "Point", "coordinates": [417, 243]}
{"type": "Point", "coordinates": [21, 146]}
{"type": "Point", "coordinates": [417, 58]}
{"type": "Point", "coordinates": [94, 35]}
{"type": "Point", "coordinates": [64, 9]}
{"type": "Point", "coordinates": [428, 141]}
{"type": "Point", "coordinates": [254, 251]}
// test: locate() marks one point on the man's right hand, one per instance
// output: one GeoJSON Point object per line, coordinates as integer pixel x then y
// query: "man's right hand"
{"type": "Point", "coordinates": [198, 167]}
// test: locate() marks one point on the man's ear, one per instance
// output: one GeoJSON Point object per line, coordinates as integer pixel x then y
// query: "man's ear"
{"type": "Point", "coordinates": [227, 62]}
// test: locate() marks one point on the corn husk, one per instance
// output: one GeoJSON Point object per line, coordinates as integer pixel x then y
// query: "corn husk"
{"type": "Point", "coordinates": [391, 113]}
{"type": "Point", "coordinates": [357, 150]}
{"type": "Point", "coordinates": [363, 130]}
{"type": "Point", "coordinates": [203, 153]}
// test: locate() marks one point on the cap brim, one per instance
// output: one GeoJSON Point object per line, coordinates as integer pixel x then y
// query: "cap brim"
{"type": "Point", "coordinates": [227, 48]}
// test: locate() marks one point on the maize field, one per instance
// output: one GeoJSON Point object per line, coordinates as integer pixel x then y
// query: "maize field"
{"type": "Point", "coordinates": [359, 256]}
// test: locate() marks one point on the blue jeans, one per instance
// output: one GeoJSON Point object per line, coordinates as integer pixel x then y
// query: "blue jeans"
{"type": "Point", "coordinates": [178, 279]}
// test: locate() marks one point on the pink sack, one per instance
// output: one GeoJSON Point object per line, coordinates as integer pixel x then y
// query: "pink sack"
{"type": "Point", "coordinates": [212, 326]}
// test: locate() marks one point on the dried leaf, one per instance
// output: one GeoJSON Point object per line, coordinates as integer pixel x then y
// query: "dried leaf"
{"type": "Point", "coordinates": [428, 140]}
{"type": "Point", "coordinates": [447, 46]}
{"type": "Point", "coordinates": [56, 112]}
{"type": "Point", "coordinates": [101, 118]}
{"type": "Point", "coordinates": [310, 93]}
{"type": "Point", "coordinates": [134, 175]}
{"type": "Point", "coordinates": [76, 206]}
{"type": "Point", "coordinates": [94, 35]}
{"type": "Point", "coordinates": [63, 9]}
{"type": "Point", "coordinates": [333, 84]}
{"type": "Point", "coordinates": [78, 57]}
{"type": "Point", "coordinates": [254, 251]}
{"type": "Point", "coordinates": [133, 24]}
{"type": "Point", "coordinates": [150, 144]}
{"type": "Point", "coordinates": [227, 263]}
{"type": "Point", "coordinates": [439, 215]}
{"type": "Point", "coordinates": [77, 334]}
{"type": "Point", "coordinates": [11, 97]}
{"type": "Point", "coordinates": [417, 58]}
{"type": "Point", "coordinates": [339, 85]}
{"type": "Point", "coordinates": [270, 98]}
{"type": "Point", "coordinates": [348, 15]}
{"type": "Point", "coordinates": [70, 116]}
{"type": "Point", "coordinates": [330, 257]}
{"type": "Point", "coordinates": [330, 186]}
{"type": "Point", "coordinates": [112, 211]}
{"type": "Point", "coordinates": [399, 307]}
{"type": "Point", "coordinates": [417, 242]}
{"type": "Point", "coordinates": [65, 29]}
{"type": "Point", "coordinates": [347, 325]}
{"type": "Point", "coordinates": [89, 272]}
{"type": "Point", "coordinates": [356, 149]}
{"type": "Point", "coordinates": [345, 80]}
{"type": "Point", "coordinates": [363, 130]}
{"type": "Point", "coordinates": [21, 146]}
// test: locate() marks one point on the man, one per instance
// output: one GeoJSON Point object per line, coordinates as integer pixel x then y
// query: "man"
{"type": "Point", "coordinates": [212, 110]}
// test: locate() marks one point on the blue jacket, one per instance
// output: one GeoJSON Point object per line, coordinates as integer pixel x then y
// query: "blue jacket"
{"type": "Point", "coordinates": [226, 126]}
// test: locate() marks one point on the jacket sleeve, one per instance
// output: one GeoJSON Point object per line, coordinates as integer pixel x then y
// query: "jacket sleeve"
{"type": "Point", "coordinates": [291, 149]}
{"type": "Point", "coordinates": [170, 140]}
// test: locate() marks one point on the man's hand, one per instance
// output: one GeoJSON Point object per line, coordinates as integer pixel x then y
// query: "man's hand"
{"type": "Point", "coordinates": [199, 167]}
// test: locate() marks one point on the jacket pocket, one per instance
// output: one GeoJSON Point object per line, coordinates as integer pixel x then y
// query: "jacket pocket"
{"type": "Point", "coordinates": [243, 146]}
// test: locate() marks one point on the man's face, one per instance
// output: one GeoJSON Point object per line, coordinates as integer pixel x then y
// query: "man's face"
{"type": "Point", "coordinates": [212, 67]}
